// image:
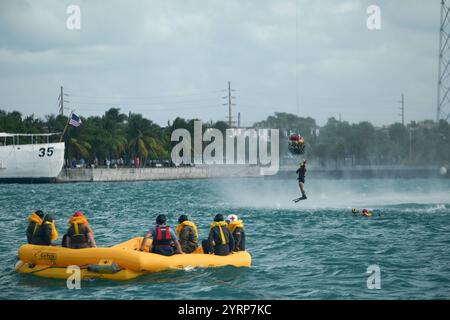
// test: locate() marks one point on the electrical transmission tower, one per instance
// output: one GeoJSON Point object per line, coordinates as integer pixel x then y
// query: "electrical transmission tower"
{"type": "Point", "coordinates": [229, 104]}
{"type": "Point", "coordinates": [443, 98]}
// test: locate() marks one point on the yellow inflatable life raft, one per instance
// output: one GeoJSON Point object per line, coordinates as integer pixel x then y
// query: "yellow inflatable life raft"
{"type": "Point", "coordinates": [120, 262]}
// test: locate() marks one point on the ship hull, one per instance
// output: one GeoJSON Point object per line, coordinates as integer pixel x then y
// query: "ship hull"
{"type": "Point", "coordinates": [31, 163]}
{"type": "Point", "coordinates": [27, 180]}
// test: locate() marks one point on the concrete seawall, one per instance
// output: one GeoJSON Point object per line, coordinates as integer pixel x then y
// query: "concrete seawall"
{"type": "Point", "coordinates": [222, 171]}
{"type": "Point", "coordinates": [142, 174]}
{"type": "Point", "coordinates": [374, 172]}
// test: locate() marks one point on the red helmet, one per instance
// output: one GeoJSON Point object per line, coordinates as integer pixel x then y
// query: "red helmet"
{"type": "Point", "coordinates": [78, 214]}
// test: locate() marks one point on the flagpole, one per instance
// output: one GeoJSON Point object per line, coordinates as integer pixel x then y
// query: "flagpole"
{"type": "Point", "coordinates": [65, 128]}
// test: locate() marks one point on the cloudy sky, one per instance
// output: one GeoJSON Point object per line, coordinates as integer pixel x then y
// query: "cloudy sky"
{"type": "Point", "coordinates": [174, 58]}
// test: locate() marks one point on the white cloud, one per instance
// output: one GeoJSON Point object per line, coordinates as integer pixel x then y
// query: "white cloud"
{"type": "Point", "coordinates": [145, 48]}
{"type": "Point", "coordinates": [346, 7]}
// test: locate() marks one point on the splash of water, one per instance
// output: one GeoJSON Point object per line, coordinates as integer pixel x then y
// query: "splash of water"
{"type": "Point", "coordinates": [321, 193]}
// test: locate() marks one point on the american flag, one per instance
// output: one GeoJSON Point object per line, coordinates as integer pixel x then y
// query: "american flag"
{"type": "Point", "coordinates": [75, 120]}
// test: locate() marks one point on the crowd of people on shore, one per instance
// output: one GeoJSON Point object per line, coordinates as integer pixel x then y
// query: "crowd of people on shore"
{"type": "Point", "coordinates": [107, 163]}
{"type": "Point", "coordinates": [225, 235]}
{"type": "Point", "coordinates": [121, 162]}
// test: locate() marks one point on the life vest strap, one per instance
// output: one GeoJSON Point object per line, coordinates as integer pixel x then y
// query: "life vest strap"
{"type": "Point", "coordinates": [36, 226]}
{"type": "Point", "coordinates": [77, 230]}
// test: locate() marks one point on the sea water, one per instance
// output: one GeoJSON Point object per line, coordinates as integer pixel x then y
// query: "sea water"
{"type": "Point", "coordinates": [315, 249]}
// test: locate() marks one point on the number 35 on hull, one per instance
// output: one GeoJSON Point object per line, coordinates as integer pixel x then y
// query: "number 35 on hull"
{"type": "Point", "coordinates": [34, 161]}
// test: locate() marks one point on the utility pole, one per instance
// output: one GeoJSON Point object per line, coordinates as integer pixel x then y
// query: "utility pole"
{"type": "Point", "coordinates": [402, 109]}
{"type": "Point", "coordinates": [239, 119]}
{"type": "Point", "coordinates": [229, 97]}
{"type": "Point", "coordinates": [229, 103]}
{"type": "Point", "coordinates": [61, 101]}
{"type": "Point", "coordinates": [411, 129]}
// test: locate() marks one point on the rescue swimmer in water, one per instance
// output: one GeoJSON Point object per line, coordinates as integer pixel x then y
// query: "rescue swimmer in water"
{"type": "Point", "coordinates": [364, 212]}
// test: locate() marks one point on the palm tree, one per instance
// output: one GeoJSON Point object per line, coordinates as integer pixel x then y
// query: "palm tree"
{"type": "Point", "coordinates": [81, 148]}
{"type": "Point", "coordinates": [146, 139]}
{"type": "Point", "coordinates": [113, 122]}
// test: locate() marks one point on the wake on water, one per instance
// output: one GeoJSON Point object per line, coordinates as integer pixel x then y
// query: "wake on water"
{"type": "Point", "coordinates": [339, 194]}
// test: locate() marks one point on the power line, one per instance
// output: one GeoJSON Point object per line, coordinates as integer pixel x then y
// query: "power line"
{"type": "Point", "coordinates": [148, 97]}
{"type": "Point", "coordinates": [155, 108]}
{"type": "Point", "coordinates": [144, 103]}
{"type": "Point", "coordinates": [334, 100]}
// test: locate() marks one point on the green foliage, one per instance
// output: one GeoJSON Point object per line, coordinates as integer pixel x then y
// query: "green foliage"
{"type": "Point", "coordinates": [340, 142]}
{"type": "Point", "coordinates": [82, 148]}
{"type": "Point", "coordinates": [116, 135]}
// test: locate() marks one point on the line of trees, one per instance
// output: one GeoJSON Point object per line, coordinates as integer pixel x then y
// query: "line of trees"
{"type": "Point", "coordinates": [338, 143]}
{"type": "Point", "coordinates": [112, 136]}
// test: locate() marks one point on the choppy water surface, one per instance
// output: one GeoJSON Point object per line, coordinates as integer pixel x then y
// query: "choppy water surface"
{"type": "Point", "coordinates": [314, 249]}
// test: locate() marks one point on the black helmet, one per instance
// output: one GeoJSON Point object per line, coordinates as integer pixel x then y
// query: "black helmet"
{"type": "Point", "coordinates": [182, 218]}
{"type": "Point", "coordinates": [161, 219]}
{"type": "Point", "coordinates": [218, 217]}
{"type": "Point", "coordinates": [40, 213]}
{"type": "Point", "coordinates": [49, 217]}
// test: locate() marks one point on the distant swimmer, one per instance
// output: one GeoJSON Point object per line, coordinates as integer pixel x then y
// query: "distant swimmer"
{"type": "Point", "coordinates": [301, 172]}
{"type": "Point", "coordinates": [364, 213]}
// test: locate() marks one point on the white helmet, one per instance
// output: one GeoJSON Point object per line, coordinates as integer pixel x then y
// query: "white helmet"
{"type": "Point", "coordinates": [232, 218]}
